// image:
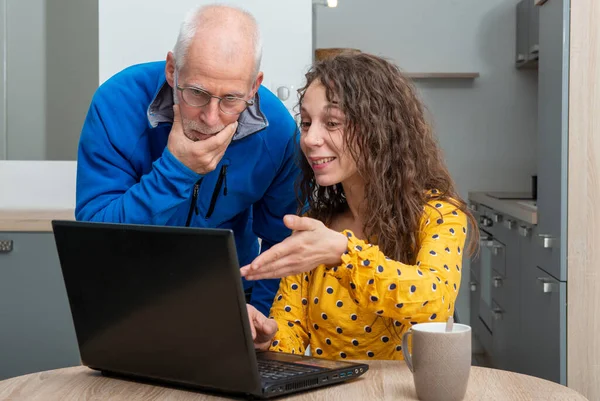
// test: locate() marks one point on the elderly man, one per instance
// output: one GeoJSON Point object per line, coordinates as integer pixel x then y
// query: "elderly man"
{"type": "Point", "coordinates": [194, 141]}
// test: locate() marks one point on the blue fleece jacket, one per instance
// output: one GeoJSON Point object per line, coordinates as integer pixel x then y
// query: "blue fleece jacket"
{"type": "Point", "coordinates": [126, 174]}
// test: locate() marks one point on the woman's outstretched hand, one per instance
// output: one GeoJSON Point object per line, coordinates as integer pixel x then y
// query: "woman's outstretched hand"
{"type": "Point", "coordinates": [310, 245]}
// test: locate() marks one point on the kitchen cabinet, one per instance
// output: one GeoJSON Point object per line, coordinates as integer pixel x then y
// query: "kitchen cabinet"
{"type": "Point", "coordinates": [522, 32]}
{"type": "Point", "coordinates": [527, 34]}
{"type": "Point", "coordinates": [36, 329]}
{"type": "Point", "coordinates": [543, 315]}
{"type": "Point", "coordinates": [533, 31]}
{"type": "Point", "coordinates": [518, 309]}
{"type": "Point", "coordinates": [36, 332]}
{"type": "Point", "coordinates": [505, 286]}
{"type": "Point", "coordinates": [529, 299]}
{"type": "Point", "coordinates": [553, 79]}
{"type": "Point", "coordinates": [495, 287]}
{"type": "Point", "coordinates": [475, 295]}
{"type": "Point", "coordinates": [543, 325]}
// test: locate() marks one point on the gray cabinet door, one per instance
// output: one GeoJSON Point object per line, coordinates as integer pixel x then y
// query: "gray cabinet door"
{"type": "Point", "coordinates": [543, 324]}
{"type": "Point", "coordinates": [474, 297]}
{"type": "Point", "coordinates": [522, 32]}
{"type": "Point", "coordinates": [506, 297]}
{"type": "Point", "coordinates": [533, 27]}
{"type": "Point", "coordinates": [552, 129]}
{"type": "Point", "coordinates": [36, 331]}
{"type": "Point", "coordinates": [505, 339]}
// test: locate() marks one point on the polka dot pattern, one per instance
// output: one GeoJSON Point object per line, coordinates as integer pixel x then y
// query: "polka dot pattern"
{"type": "Point", "coordinates": [361, 306]}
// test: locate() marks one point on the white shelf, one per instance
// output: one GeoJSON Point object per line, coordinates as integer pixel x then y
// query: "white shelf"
{"type": "Point", "coordinates": [442, 75]}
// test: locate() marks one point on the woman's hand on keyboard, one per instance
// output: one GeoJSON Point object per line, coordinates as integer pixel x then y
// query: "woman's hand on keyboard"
{"type": "Point", "coordinates": [263, 328]}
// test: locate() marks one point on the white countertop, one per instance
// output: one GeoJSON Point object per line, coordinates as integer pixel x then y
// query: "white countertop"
{"type": "Point", "coordinates": [518, 209]}
{"type": "Point", "coordinates": [33, 193]}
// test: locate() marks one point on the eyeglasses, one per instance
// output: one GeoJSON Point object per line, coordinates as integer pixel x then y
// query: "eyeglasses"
{"type": "Point", "coordinates": [197, 97]}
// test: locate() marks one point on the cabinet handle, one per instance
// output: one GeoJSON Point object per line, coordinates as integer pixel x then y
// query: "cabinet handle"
{"type": "Point", "coordinates": [496, 249]}
{"type": "Point", "coordinates": [497, 281]}
{"type": "Point", "coordinates": [524, 231]}
{"type": "Point", "coordinates": [535, 49]}
{"type": "Point", "coordinates": [497, 313]}
{"type": "Point", "coordinates": [486, 242]}
{"type": "Point", "coordinates": [547, 241]}
{"type": "Point", "coordinates": [547, 285]}
{"type": "Point", "coordinates": [6, 246]}
{"type": "Point", "coordinates": [473, 286]}
{"type": "Point", "coordinates": [509, 224]}
{"type": "Point", "coordinates": [485, 221]}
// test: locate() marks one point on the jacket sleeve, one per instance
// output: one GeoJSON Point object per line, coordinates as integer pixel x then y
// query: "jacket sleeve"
{"type": "Point", "coordinates": [110, 188]}
{"type": "Point", "coordinates": [289, 311]}
{"type": "Point", "coordinates": [422, 292]}
{"type": "Point", "coordinates": [279, 200]}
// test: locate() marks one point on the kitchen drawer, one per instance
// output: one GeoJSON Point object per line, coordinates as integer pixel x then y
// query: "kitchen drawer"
{"type": "Point", "coordinates": [475, 268]}
{"type": "Point", "coordinates": [547, 253]}
{"type": "Point", "coordinates": [474, 299]}
{"type": "Point", "coordinates": [485, 218]}
{"type": "Point", "coordinates": [505, 291]}
{"type": "Point", "coordinates": [543, 325]}
{"type": "Point", "coordinates": [474, 209]}
{"type": "Point", "coordinates": [505, 338]}
{"type": "Point", "coordinates": [484, 335]}
{"type": "Point", "coordinates": [505, 284]}
{"type": "Point", "coordinates": [504, 227]}
{"type": "Point", "coordinates": [498, 252]}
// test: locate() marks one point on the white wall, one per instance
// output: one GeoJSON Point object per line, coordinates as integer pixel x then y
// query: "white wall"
{"type": "Point", "coordinates": [2, 80]}
{"type": "Point", "coordinates": [487, 127]}
{"type": "Point", "coordinates": [50, 70]}
{"type": "Point", "coordinates": [71, 72]}
{"type": "Point", "coordinates": [136, 31]}
{"type": "Point", "coordinates": [25, 80]}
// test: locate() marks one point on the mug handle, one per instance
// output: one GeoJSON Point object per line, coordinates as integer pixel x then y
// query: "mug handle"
{"type": "Point", "coordinates": [405, 352]}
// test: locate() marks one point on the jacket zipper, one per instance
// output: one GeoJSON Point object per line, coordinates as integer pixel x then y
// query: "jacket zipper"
{"type": "Point", "coordinates": [222, 179]}
{"type": "Point", "coordinates": [193, 205]}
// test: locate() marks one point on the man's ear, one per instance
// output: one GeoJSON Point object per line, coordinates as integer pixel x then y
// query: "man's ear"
{"type": "Point", "coordinates": [257, 82]}
{"type": "Point", "coordinates": [170, 69]}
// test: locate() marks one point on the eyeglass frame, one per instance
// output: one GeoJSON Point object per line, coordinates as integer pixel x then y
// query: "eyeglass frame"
{"type": "Point", "coordinates": [211, 96]}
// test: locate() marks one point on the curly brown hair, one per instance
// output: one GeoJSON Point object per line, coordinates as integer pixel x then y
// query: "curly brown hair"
{"type": "Point", "coordinates": [394, 149]}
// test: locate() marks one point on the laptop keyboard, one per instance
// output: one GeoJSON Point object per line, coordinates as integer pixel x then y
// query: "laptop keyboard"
{"type": "Point", "coordinates": [275, 370]}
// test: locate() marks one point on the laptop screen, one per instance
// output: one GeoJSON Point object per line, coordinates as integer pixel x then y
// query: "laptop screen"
{"type": "Point", "coordinates": [159, 302]}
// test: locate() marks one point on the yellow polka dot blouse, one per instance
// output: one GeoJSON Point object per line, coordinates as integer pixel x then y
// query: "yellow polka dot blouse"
{"type": "Point", "coordinates": [360, 309]}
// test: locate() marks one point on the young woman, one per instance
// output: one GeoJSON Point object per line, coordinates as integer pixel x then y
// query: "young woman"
{"type": "Point", "coordinates": [381, 246]}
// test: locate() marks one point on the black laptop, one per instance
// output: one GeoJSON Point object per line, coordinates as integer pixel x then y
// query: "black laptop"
{"type": "Point", "coordinates": [166, 304]}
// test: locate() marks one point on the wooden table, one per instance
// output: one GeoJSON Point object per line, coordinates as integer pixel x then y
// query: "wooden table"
{"type": "Point", "coordinates": [386, 380]}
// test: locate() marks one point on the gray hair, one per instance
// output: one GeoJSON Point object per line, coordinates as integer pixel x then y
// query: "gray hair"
{"type": "Point", "coordinates": [190, 26]}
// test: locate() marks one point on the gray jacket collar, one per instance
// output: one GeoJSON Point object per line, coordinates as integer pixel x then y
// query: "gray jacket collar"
{"type": "Point", "coordinates": [160, 110]}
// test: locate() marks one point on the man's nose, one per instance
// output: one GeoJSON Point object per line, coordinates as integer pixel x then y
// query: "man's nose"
{"type": "Point", "coordinates": [211, 113]}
